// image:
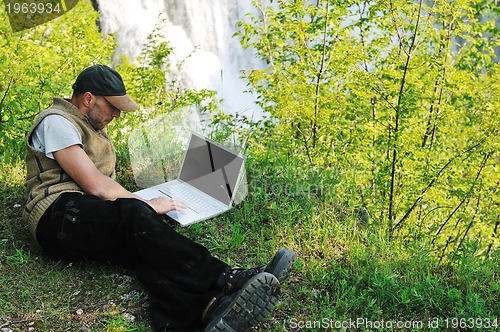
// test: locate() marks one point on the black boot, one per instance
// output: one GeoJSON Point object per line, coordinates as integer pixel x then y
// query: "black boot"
{"type": "Point", "coordinates": [247, 307]}
{"type": "Point", "coordinates": [280, 266]}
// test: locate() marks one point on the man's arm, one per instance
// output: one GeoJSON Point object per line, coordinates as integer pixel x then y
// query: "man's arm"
{"type": "Point", "coordinates": [75, 162]}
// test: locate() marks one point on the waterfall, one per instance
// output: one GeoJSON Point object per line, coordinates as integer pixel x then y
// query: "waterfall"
{"type": "Point", "coordinates": [204, 26]}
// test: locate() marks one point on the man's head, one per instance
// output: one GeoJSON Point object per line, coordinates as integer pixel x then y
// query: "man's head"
{"type": "Point", "coordinates": [100, 94]}
{"type": "Point", "coordinates": [100, 80]}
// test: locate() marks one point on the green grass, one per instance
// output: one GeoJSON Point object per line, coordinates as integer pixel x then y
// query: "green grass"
{"type": "Point", "coordinates": [348, 277]}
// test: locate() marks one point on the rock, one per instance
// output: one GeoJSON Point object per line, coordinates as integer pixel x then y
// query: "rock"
{"type": "Point", "coordinates": [128, 317]}
{"type": "Point", "coordinates": [129, 296]}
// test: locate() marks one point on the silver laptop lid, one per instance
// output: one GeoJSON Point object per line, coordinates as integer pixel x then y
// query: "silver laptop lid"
{"type": "Point", "coordinates": [211, 168]}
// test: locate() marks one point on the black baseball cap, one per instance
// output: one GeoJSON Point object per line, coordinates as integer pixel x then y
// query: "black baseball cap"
{"type": "Point", "coordinates": [101, 80]}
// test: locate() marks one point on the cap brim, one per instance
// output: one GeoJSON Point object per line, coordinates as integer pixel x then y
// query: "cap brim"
{"type": "Point", "coordinates": [123, 103]}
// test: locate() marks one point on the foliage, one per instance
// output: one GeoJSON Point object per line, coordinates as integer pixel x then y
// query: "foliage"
{"type": "Point", "coordinates": [400, 99]}
{"type": "Point", "coordinates": [40, 63]}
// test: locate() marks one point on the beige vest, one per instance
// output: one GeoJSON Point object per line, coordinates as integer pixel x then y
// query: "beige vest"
{"type": "Point", "coordinates": [45, 180]}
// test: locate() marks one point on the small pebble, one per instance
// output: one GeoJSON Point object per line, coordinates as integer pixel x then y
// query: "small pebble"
{"type": "Point", "coordinates": [128, 317]}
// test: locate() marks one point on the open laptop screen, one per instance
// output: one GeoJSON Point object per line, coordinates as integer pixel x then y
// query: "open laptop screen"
{"type": "Point", "coordinates": [211, 169]}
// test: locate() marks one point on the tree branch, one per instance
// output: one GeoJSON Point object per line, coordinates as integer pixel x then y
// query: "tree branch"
{"type": "Point", "coordinates": [394, 160]}
{"type": "Point", "coordinates": [5, 96]}
{"type": "Point", "coordinates": [436, 177]}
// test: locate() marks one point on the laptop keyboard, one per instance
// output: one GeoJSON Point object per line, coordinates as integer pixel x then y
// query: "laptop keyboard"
{"type": "Point", "coordinates": [191, 198]}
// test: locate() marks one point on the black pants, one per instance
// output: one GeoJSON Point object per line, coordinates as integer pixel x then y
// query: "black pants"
{"type": "Point", "coordinates": [179, 274]}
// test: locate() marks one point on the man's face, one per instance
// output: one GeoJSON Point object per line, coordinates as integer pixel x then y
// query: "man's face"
{"type": "Point", "coordinates": [101, 113]}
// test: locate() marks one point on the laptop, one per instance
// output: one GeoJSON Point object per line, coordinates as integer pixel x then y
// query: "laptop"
{"type": "Point", "coordinates": [207, 182]}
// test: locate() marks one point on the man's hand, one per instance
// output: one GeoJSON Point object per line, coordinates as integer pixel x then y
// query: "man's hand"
{"type": "Point", "coordinates": [164, 204]}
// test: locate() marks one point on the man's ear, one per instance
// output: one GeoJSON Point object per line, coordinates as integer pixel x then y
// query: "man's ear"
{"type": "Point", "coordinates": [87, 99]}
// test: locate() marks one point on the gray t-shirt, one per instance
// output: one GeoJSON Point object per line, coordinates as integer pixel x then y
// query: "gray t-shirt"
{"type": "Point", "coordinates": [54, 133]}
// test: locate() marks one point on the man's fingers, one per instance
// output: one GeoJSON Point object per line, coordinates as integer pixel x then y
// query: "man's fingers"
{"type": "Point", "coordinates": [179, 204]}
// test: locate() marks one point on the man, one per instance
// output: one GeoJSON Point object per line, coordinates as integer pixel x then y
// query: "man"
{"type": "Point", "coordinates": [75, 209]}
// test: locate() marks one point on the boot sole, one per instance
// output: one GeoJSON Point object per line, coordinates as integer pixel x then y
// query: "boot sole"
{"type": "Point", "coordinates": [252, 304]}
{"type": "Point", "coordinates": [282, 263]}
